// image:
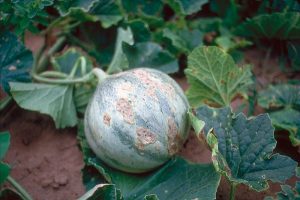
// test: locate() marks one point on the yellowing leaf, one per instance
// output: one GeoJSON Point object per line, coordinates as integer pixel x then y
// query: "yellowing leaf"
{"type": "Point", "coordinates": [214, 78]}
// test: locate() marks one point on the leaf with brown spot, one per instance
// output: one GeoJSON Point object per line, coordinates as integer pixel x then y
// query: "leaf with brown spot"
{"type": "Point", "coordinates": [214, 78]}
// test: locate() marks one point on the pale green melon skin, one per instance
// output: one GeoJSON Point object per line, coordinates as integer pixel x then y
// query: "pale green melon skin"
{"type": "Point", "coordinates": [137, 120]}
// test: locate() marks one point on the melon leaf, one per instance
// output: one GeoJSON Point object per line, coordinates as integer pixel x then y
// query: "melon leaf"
{"type": "Point", "coordinates": [283, 104]}
{"type": "Point", "coordinates": [54, 100]}
{"type": "Point", "coordinates": [285, 25]}
{"type": "Point", "coordinates": [151, 55]}
{"type": "Point", "coordinates": [214, 78]}
{"type": "Point", "coordinates": [4, 144]}
{"type": "Point", "coordinates": [105, 11]}
{"type": "Point", "coordinates": [15, 60]}
{"type": "Point", "coordinates": [242, 148]}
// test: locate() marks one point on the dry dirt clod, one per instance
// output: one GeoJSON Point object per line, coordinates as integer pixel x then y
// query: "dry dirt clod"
{"type": "Point", "coordinates": [61, 179]}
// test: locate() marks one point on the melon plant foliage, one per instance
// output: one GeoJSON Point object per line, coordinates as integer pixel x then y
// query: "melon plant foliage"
{"type": "Point", "coordinates": [87, 40]}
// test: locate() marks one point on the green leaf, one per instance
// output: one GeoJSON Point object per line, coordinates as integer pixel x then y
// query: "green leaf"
{"type": "Point", "coordinates": [184, 40]}
{"type": "Point", "coordinates": [227, 10]}
{"type": "Point", "coordinates": [102, 191]}
{"type": "Point", "coordinates": [15, 60]}
{"type": "Point", "coordinates": [4, 143]}
{"type": "Point", "coordinates": [82, 96]}
{"type": "Point", "coordinates": [294, 54]}
{"type": "Point", "coordinates": [282, 26]}
{"type": "Point", "coordinates": [20, 16]}
{"type": "Point", "coordinates": [188, 7]}
{"type": "Point", "coordinates": [53, 100]}
{"type": "Point", "coordinates": [143, 7]}
{"type": "Point", "coordinates": [119, 61]}
{"type": "Point", "coordinates": [197, 124]}
{"type": "Point", "coordinates": [69, 59]}
{"type": "Point", "coordinates": [105, 11]}
{"type": "Point", "coordinates": [242, 148]}
{"type": "Point", "coordinates": [230, 44]}
{"type": "Point", "coordinates": [151, 197]}
{"type": "Point", "coordinates": [4, 172]}
{"type": "Point", "coordinates": [151, 55]}
{"type": "Point", "coordinates": [140, 29]}
{"type": "Point", "coordinates": [283, 104]}
{"type": "Point", "coordinates": [176, 180]}
{"type": "Point", "coordinates": [214, 78]}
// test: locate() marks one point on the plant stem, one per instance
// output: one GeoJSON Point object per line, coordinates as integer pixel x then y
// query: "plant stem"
{"type": "Point", "coordinates": [53, 74]}
{"type": "Point", "coordinates": [19, 188]}
{"type": "Point", "coordinates": [232, 190]}
{"type": "Point", "coordinates": [100, 74]}
{"type": "Point", "coordinates": [83, 79]}
{"type": "Point", "coordinates": [43, 62]}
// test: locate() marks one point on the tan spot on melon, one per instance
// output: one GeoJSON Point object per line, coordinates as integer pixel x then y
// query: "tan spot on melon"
{"type": "Point", "coordinates": [174, 139]}
{"type": "Point", "coordinates": [124, 107]}
{"type": "Point", "coordinates": [106, 119]}
{"type": "Point", "coordinates": [144, 137]}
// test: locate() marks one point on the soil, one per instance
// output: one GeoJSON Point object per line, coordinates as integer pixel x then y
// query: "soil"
{"type": "Point", "coordinates": [47, 162]}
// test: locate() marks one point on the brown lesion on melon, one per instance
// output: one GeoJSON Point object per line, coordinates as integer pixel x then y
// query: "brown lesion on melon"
{"type": "Point", "coordinates": [152, 84]}
{"type": "Point", "coordinates": [124, 107]}
{"type": "Point", "coordinates": [106, 119]}
{"type": "Point", "coordinates": [144, 137]}
{"type": "Point", "coordinates": [174, 139]}
{"type": "Point", "coordinates": [124, 89]}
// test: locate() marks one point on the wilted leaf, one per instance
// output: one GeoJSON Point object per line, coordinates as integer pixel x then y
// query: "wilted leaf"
{"type": "Point", "coordinates": [176, 180]}
{"type": "Point", "coordinates": [54, 100]}
{"type": "Point", "coordinates": [15, 60]}
{"type": "Point", "coordinates": [196, 123]}
{"type": "Point", "coordinates": [283, 104]}
{"type": "Point", "coordinates": [242, 148]}
{"type": "Point", "coordinates": [285, 25]}
{"type": "Point", "coordinates": [214, 78]}
{"type": "Point", "coordinates": [151, 55]}
{"type": "Point", "coordinates": [119, 61]}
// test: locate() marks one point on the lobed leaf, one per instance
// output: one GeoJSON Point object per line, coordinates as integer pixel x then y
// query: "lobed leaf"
{"type": "Point", "coordinates": [285, 25]}
{"type": "Point", "coordinates": [184, 40]}
{"type": "Point", "coordinates": [54, 100]}
{"type": "Point", "coordinates": [151, 55]}
{"type": "Point", "coordinates": [105, 11]}
{"type": "Point", "coordinates": [188, 7]}
{"type": "Point", "coordinates": [214, 78]}
{"type": "Point", "coordinates": [283, 104]}
{"type": "Point", "coordinates": [242, 148]}
{"type": "Point", "coordinates": [15, 60]}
